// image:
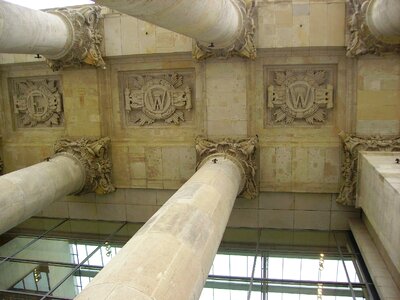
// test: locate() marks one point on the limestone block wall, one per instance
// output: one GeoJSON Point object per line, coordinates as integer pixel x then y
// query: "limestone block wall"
{"type": "Point", "coordinates": [299, 160]}
{"type": "Point", "coordinates": [379, 197]}
{"type": "Point", "coordinates": [378, 94]}
{"type": "Point", "coordinates": [274, 210]}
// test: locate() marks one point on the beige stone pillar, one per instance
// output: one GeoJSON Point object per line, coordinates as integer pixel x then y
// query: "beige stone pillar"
{"type": "Point", "coordinates": [78, 166]}
{"type": "Point", "coordinates": [171, 255]}
{"type": "Point", "coordinates": [64, 36]}
{"type": "Point", "coordinates": [374, 27]}
{"type": "Point", "coordinates": [383, 20]}
{"type": "Point", "coordinates": [221, 28]}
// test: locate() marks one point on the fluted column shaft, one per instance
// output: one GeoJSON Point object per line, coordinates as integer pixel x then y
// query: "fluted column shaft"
{"type": "Point", "coordinates": [383, 19]}
{"type": "Point", "coordinates": [24, 30]}
{"type": "Point", "coordinates": [25, 192]}
{"type": "Point", "coordinates": [171, 255]}
{"type": "Point", "coordinates": [207, 21]}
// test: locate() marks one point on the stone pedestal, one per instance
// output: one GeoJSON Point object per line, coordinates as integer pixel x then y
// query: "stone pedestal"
{"type": "Point", "coordinates": [77, 167]}
{"type": "Point", "coordinates": [220, 28]}
{"type": "Point", "coordinates": [65, 37]}
{"type": "Point", "coordinates": [171, 255]}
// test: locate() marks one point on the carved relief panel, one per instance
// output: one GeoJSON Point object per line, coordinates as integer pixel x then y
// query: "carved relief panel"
{"type": "Point", "coordinates": [37, 102]}
{"type": "Point", "coordinates": [158, 98]}
{"type": "Point", "coordinates": [299, 96]}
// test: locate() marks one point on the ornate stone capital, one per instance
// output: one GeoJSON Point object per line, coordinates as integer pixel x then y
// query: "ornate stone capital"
{"type": "Point", "coordinates": [243, 46]}
{"type": "Point", "coordinates": [352, 145]}
{"type": "Point", "coordinates": [93, 154]}
{"type": "Point", "coordinates": [361, 40]}
{"type": "Point", "coordinates": [240, 151]}
{"type": "Point", "coordinates": [85, 38]}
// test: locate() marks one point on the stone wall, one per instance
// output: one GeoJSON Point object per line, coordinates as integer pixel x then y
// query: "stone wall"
{"type": "Point", "coordinates": [299, 155]}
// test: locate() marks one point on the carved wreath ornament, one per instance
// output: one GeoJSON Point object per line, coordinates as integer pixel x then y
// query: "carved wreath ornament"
{"type": "Point", "coordinates": [300, 95]}
{"type": "Point", "coordinates": [158, 98]}
{"type": "Point", "coordinates": [37, 103]}
{"type": "Point", "coordinates": [352, 145]}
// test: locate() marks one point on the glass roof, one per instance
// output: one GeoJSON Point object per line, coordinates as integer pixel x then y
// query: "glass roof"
{"type": "Point", "coordinates": [43, 4]}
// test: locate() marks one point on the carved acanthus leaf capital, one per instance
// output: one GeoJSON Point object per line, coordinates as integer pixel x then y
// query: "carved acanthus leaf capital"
{"type": "Point", "coordinates": [241, 151]}
{"type": "Point", "coordinates": [243, 46]}
{"type": "Point", "coordinates": [86, 38]}
{"type": "Point", "coordinates": [361, 40]}
{"type": "Point", "coordinates": [93, 155]}
{"type": "Point", "coordinates": [352, 145]}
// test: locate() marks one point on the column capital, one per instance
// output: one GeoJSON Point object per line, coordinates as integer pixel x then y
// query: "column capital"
{"type": "Point", "coordinates": [352, 144]}
{"type": "Point", "coordinates": [85, 38]}
{"type": "Point", "coordinates": [361, 40]}
{"type": "Point", "coordinates": [240, 151]}
{"type": "Point", "coordinates": [93, 155]}
{"type": "Point", "coordinates": [243, 46]}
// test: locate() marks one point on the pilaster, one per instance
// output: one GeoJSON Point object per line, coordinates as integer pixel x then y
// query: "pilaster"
{"type": "Point", "coordinates": [243, 45]}
{"type": "Point", "coordinates": [93, 155]}
{"type": "Point", "coordinates": [84, 38]}
{"type": "Point", "coordinates": [352, 145]}
{"type": "Point", "coordinates": [240, 151]}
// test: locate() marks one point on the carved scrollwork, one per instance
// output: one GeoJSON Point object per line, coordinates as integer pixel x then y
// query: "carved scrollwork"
{"type": "Point", "coordinates": [37, 102]}
{"type": "Point", "coordinates": [243, 46]}
{"type": "Point", "coordinates": [352, 145]}
{"type": "Point", "coordinates": [93, 155]}
{"type": "Point", "coordinates": [361, 40]}
{"type": "Point", "coordinates": [298, 95]}
{"type": "Point", "coordinates": [86, 38]}
{"type": "Point", "coordinates": [241, 150]}
{"type": "Point", "coordinates": [152, 98]}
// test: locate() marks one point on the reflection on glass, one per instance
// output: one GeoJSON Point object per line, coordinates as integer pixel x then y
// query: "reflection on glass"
{"type": "Point", "coordinates": [31, 277]}
{"type": "Point", "coordinates": [76, 282]}
{"type": "Point", "coordinates": [14, 245]}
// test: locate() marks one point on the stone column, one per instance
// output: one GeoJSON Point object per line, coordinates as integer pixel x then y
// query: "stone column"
{"type": "Point", "coordinates": [352, 144]}
{"type": "Point", "coordinates": [64, 36]}
{"type": "Point", "coordinates": [220, 28]}
{"type": "Point", "coordinates": [78, 166]}
{"type": "Point", "coordinates": [170, 256]}
{"type": "Point", "coordinates": [374, 27]}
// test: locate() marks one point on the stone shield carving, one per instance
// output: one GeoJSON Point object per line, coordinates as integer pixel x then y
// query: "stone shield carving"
{"type": "Point", "coordinates": [37, 102]}
{"type": "Point", "coordinates": [151, 98]}
{"type": "Point", "coordinates": [352, 145]}
{"type": "Point", "coordinates": [299, 96]}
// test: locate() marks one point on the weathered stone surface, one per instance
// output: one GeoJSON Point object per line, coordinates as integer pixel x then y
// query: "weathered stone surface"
{"type": "Point", "coordinates": [362, 41]}
{"type": "Point", "coordinates": [352, 145]}
{"type": "Point", "coordinates": [241, 151]}
{"type": "Point", "coordinates": [94, 157]}
{"type": "Point", "coordinates": [243, 46]}
{"type": "Point", "coordinates": [85, 38]}
{"type": "Point", "coordinates": [157, 97]}
{"type": "Point", "coordinates": [297, 96]}
{"type": "Point", "coordinates": [37, 102]}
